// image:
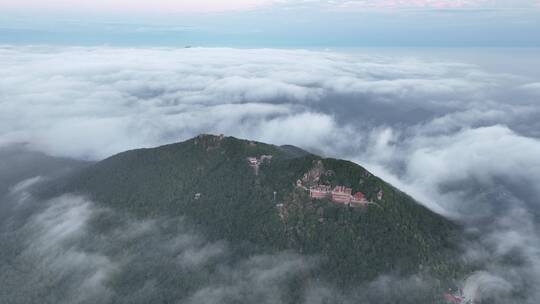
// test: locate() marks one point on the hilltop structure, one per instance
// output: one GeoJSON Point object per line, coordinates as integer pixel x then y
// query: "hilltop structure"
{"type": "Point", "coordinates": [255, 162]}
{"type": "Point", "coordinates": [340, 195]}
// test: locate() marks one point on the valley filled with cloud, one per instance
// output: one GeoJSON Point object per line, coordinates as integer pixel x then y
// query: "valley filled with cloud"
{"type": "Point", "coordinates": [462, 139]}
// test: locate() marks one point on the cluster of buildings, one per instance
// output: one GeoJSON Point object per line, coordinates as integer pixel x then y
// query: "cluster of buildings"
{"type": "Point", "coordinates": [255, 162]}
{"type": "Point", "coordinates": [340, 195]}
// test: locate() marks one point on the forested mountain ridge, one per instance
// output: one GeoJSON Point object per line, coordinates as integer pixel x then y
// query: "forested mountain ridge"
{"type": "Point", "coordinates": [263, 207]}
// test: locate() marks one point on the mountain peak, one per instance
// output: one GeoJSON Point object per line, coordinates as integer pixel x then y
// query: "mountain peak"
{"type": "Point", "coordinates": [277, 198]}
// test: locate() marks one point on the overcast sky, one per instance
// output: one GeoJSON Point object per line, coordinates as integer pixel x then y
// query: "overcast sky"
{"type": "Point", "coordinates": [272, 23]}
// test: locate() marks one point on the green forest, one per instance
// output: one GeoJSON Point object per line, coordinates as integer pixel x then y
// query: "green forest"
{"type": "Point", "coordinates": [208, 180]}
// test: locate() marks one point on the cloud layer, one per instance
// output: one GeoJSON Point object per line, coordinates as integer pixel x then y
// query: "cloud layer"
{"type": "Point", "coordinates": [463, 141]}
{"type": "Point", "coordinates": [92, 102]}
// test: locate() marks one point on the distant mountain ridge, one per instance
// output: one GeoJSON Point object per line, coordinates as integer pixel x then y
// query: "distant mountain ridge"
{"type": "Point", "coordinates": [209, 179]}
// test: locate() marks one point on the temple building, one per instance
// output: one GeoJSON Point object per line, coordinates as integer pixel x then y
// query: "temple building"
{"type": "Point", "coordinates": [319, 192]}
{"type": "Point", "coordinates": [255, 162]}
{"type": "Point", "coordinates": [339, 195]}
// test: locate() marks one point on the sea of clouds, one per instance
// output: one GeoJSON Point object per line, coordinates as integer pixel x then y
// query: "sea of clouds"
{"type": "Point", "coordinates": [463, 141]}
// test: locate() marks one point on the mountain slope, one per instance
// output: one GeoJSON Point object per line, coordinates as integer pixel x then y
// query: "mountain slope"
{"type": "Point", "coordinates": [209, 180]}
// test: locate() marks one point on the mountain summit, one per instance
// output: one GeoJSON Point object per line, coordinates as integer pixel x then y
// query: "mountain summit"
{"type": "Point", "coordinates": [267, 198]}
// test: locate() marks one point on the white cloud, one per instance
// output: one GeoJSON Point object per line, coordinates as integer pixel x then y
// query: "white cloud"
{"type": "Point", "coordinates": [481, 153]}
{"type": "Point", "coordinates": [93, 102]}
{"type": "Point", "coordinates": [532, 87]}
{"type": "Point", "coordinates": [457, 138]}
{"type": "Point", "coordinates": [20, 190]}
